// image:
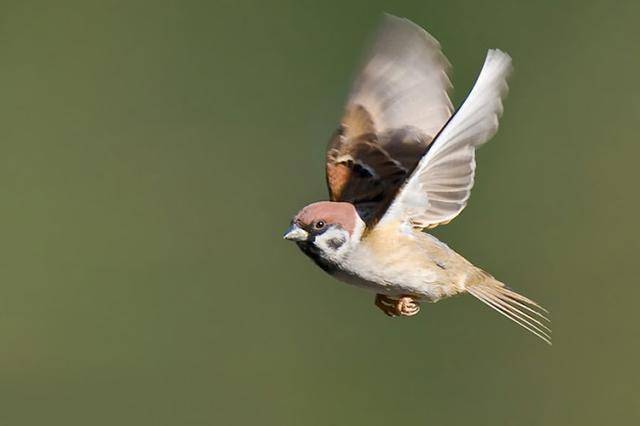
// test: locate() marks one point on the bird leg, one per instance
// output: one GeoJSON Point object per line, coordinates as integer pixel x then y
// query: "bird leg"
{"type": "Point", "coordinates": [405, 306]}
{"type": "Point", "coordinates": [386, 305]}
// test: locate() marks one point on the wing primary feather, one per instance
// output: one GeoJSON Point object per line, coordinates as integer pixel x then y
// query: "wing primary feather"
{"type": "Point", "coordinates": [442, 165]}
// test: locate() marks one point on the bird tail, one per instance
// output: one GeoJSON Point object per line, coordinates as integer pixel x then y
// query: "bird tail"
{"type": "Point", "coordinates": [519, 309]}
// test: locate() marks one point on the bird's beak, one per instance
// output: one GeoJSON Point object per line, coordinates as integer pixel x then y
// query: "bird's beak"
{"type": "Point", "coordinates": [295, 233]}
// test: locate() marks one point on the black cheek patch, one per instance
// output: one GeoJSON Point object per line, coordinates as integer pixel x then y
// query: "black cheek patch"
{"type": "Point", "coordinates": [336, 243]}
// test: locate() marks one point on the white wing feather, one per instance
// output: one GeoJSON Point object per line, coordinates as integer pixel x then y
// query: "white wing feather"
{"type": "Point", "coordinates": [440, 186]}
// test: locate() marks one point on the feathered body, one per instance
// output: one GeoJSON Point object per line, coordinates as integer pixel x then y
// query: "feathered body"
{"type": "Point", "coordinates": [395, 263]}
{"type": "Point", "coordinates": [402, 162]}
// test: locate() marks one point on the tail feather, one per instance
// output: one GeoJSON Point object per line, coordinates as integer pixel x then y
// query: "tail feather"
{"type": "Point", "coordinates": [513, 306]}
{"type": "Point", "coordinates": [511, 300]}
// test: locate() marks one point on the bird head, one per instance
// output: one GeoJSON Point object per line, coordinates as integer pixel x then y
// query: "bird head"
{"type": "Point", "coordinates": [326, 230]}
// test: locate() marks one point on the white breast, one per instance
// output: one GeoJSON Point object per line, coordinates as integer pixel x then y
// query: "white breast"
{"type": "Point", "coordinates": [394, 272]}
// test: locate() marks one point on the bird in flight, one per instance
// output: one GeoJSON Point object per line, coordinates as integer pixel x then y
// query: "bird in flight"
{"type": "Point", "coordinates": [402, 162]}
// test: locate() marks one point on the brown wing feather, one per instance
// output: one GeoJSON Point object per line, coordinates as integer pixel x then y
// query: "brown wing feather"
{"type": "Point", "coordinates": [368, 168]}
{"type": "Point", "coordinates": [359, 169]}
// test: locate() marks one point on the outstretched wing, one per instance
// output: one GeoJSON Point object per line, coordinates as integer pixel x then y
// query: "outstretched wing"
{"type": "Point", "coordinates": [440, 186]}
{"type": "Point", "coordinates": [397, 104]}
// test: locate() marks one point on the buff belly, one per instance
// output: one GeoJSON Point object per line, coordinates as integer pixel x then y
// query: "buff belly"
{"type": "Point", "coordinates": [421, 289]}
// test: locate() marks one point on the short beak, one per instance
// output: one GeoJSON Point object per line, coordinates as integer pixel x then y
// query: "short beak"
{"type": "Point", "coordinates": [295, 233]}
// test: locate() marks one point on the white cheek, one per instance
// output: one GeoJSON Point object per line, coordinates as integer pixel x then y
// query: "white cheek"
{"type": "Point", "coordinates": [333, 242]}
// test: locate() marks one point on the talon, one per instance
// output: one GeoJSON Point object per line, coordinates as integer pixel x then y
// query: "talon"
{"type": "Point", "coordinates": [407, 306]}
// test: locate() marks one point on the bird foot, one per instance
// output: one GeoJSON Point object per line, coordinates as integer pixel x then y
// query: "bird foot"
{"type": "Point", "coordinates": [405, 306]}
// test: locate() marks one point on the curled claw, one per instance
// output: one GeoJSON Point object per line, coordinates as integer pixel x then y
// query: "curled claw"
{"type": "Point", "coordinates": [405, 306]}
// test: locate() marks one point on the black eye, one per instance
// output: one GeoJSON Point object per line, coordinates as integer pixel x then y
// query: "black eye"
{"type": "Point", "coordinates": [320, 224]}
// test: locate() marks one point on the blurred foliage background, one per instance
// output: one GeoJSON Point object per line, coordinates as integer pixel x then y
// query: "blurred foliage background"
{"type": "Point", "coordinates": [152, 154]}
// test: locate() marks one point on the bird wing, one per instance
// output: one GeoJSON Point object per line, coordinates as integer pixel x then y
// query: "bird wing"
{"type": "Point", "coordinates": [397, 104]}
{"type": "Point", "coordinates": [438, 189]}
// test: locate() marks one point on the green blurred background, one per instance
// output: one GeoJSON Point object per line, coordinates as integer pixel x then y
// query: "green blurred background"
{"type": "Point", "coordinates": [152, 153]}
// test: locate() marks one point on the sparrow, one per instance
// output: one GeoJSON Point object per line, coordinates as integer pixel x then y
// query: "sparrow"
{"type": "Point", "coordinates": [402, 162]}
